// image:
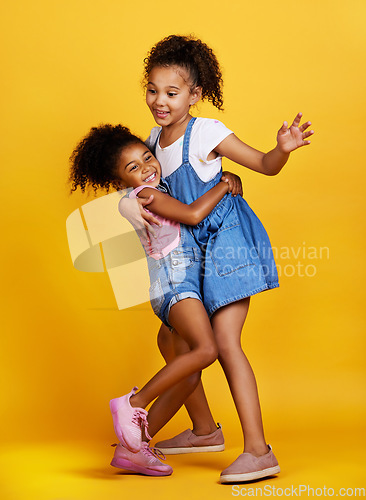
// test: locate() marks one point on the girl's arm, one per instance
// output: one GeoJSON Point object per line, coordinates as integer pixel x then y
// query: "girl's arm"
{"type": "Point", "coordinates": [133, 211]}
{"type": "Point", "coordinates": [271, 163]}
{"type": "Point", "coordinates": [140, 218]}
{"type": "Point", "coordinates": [170, 208]}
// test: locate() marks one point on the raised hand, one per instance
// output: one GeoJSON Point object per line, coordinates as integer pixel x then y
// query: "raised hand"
{"type": "Point", "coordinates": [295, 136]}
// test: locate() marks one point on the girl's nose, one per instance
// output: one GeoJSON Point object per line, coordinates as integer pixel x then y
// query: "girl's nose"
{"type": "Point", "coordinates": [160, 101]}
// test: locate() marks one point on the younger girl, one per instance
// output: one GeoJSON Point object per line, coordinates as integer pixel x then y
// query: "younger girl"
{"type": "Point", "coordinates": [238, 262]}
{"type": "Point", "coordinates": [112, 156]}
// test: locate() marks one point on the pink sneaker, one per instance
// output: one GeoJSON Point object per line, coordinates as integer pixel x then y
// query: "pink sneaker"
{"type": "Point", "coordinates": [146, 461]}
{"type": "Point", "coordinates": [248, 467]}
{"type": "Point", "coordinates": [187, 442]}
{"type": "Point", "coordinates": [127, 421]}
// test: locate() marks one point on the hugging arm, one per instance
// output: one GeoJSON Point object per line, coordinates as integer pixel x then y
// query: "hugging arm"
{"type": "Point", "coordinates": [133, 210]}
{"type": "Point", "coordinates": [170, 208]}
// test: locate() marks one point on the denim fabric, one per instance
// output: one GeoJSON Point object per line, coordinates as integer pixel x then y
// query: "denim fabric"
{"type": "Point", "coordinates": [238, 259]}
{"type": "Point", "coordinates": [175, 277]}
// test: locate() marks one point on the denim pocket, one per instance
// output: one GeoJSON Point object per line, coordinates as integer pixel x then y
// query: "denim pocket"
{"type": "Point", "coordinates": [229, 251]}
{"type": "Point", "coordinates": [156, 296]}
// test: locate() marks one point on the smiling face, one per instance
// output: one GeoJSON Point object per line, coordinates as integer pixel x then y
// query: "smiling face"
{"type": "Point", "coordinates": [137, 166]}
{"type": "Point", "coordinates": [169, 95]}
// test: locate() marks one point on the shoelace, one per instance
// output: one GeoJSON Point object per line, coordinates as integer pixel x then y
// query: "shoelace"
{"type": "Point", "coordinates": [139, 419]}
{"type": "Point", "coordinates": [153, 451]}
{"type": "Point", "coordinates": [150, 451]}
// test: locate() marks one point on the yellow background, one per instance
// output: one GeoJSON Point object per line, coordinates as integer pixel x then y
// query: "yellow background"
{"type": "Point", "coordinates": [66, 349]}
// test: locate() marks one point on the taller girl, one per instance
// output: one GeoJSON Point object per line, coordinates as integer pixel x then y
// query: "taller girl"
{"type": "Point", "coordinates": [179, 71]}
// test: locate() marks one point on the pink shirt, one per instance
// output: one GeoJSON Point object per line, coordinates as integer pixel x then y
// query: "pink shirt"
{"type": "Point", "coordinates": [167, 236]}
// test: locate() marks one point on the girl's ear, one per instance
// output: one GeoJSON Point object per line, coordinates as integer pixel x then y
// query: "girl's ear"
{"type": "Point", "coordinates": [120, 184]}
{"type": "Point", "coordinates": [196, 95]}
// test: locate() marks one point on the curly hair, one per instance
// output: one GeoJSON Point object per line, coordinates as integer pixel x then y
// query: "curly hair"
{"type": "Point", "coordinates": [193, 55]}
{"type": "Point", "coordinates": [93, 162]}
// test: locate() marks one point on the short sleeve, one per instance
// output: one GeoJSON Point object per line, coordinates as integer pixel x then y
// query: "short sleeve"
{"type": "Point", "coordinates": [150, 141]}
{"type": "Point", "coordinates": [134, 193]}
{"type": "Point", "coordinates": [209, 135]}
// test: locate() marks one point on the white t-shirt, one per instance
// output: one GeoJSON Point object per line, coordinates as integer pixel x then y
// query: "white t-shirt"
{"type": "Point", "coordinates": [205, 136]}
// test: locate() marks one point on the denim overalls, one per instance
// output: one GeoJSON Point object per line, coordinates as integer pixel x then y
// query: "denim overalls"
{"type": "Point", "coordinates": [238, 258]}
{"type": "Point", "coordinates": [176, 276]}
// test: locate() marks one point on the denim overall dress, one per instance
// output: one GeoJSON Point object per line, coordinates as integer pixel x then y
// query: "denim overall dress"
{"type": "Point", "coordinates": [238, 258]}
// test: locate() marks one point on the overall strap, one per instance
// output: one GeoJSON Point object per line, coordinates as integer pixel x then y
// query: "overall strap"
{"type": "Point", "coordinates": [187, 136]}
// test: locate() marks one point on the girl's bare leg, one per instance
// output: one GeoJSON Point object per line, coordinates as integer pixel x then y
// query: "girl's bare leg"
{"type": "Point", "coordinates": [227, 324]}
{"type": "Point", "coordinates": [196, 402]}
{"type": "Point", "coordinates": [166, 405]}
{"type": "Point", "coordinates": [190, 317]}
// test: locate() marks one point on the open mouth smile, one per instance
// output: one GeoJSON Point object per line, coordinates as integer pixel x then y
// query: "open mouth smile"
{"type": "Point", "coordinates": [150, 178]}
{"type": "Point", "coordinates": [161, 114]}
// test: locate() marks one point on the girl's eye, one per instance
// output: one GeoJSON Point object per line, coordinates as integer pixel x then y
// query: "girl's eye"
{"type": "Point", "coordinates": [133, 168]}
{"type": "Point", "coordinates": [151, 91]}
{"type": "Point", "coordinates": [171, 94]}
{"type": "Point", "coordinates": [148, 158]}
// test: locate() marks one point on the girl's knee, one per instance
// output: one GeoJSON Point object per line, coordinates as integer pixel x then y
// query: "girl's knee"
{"type": "Point", "coordinates": [227, 348]}
{"type": "Point", "coordinates": [209, 353]}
